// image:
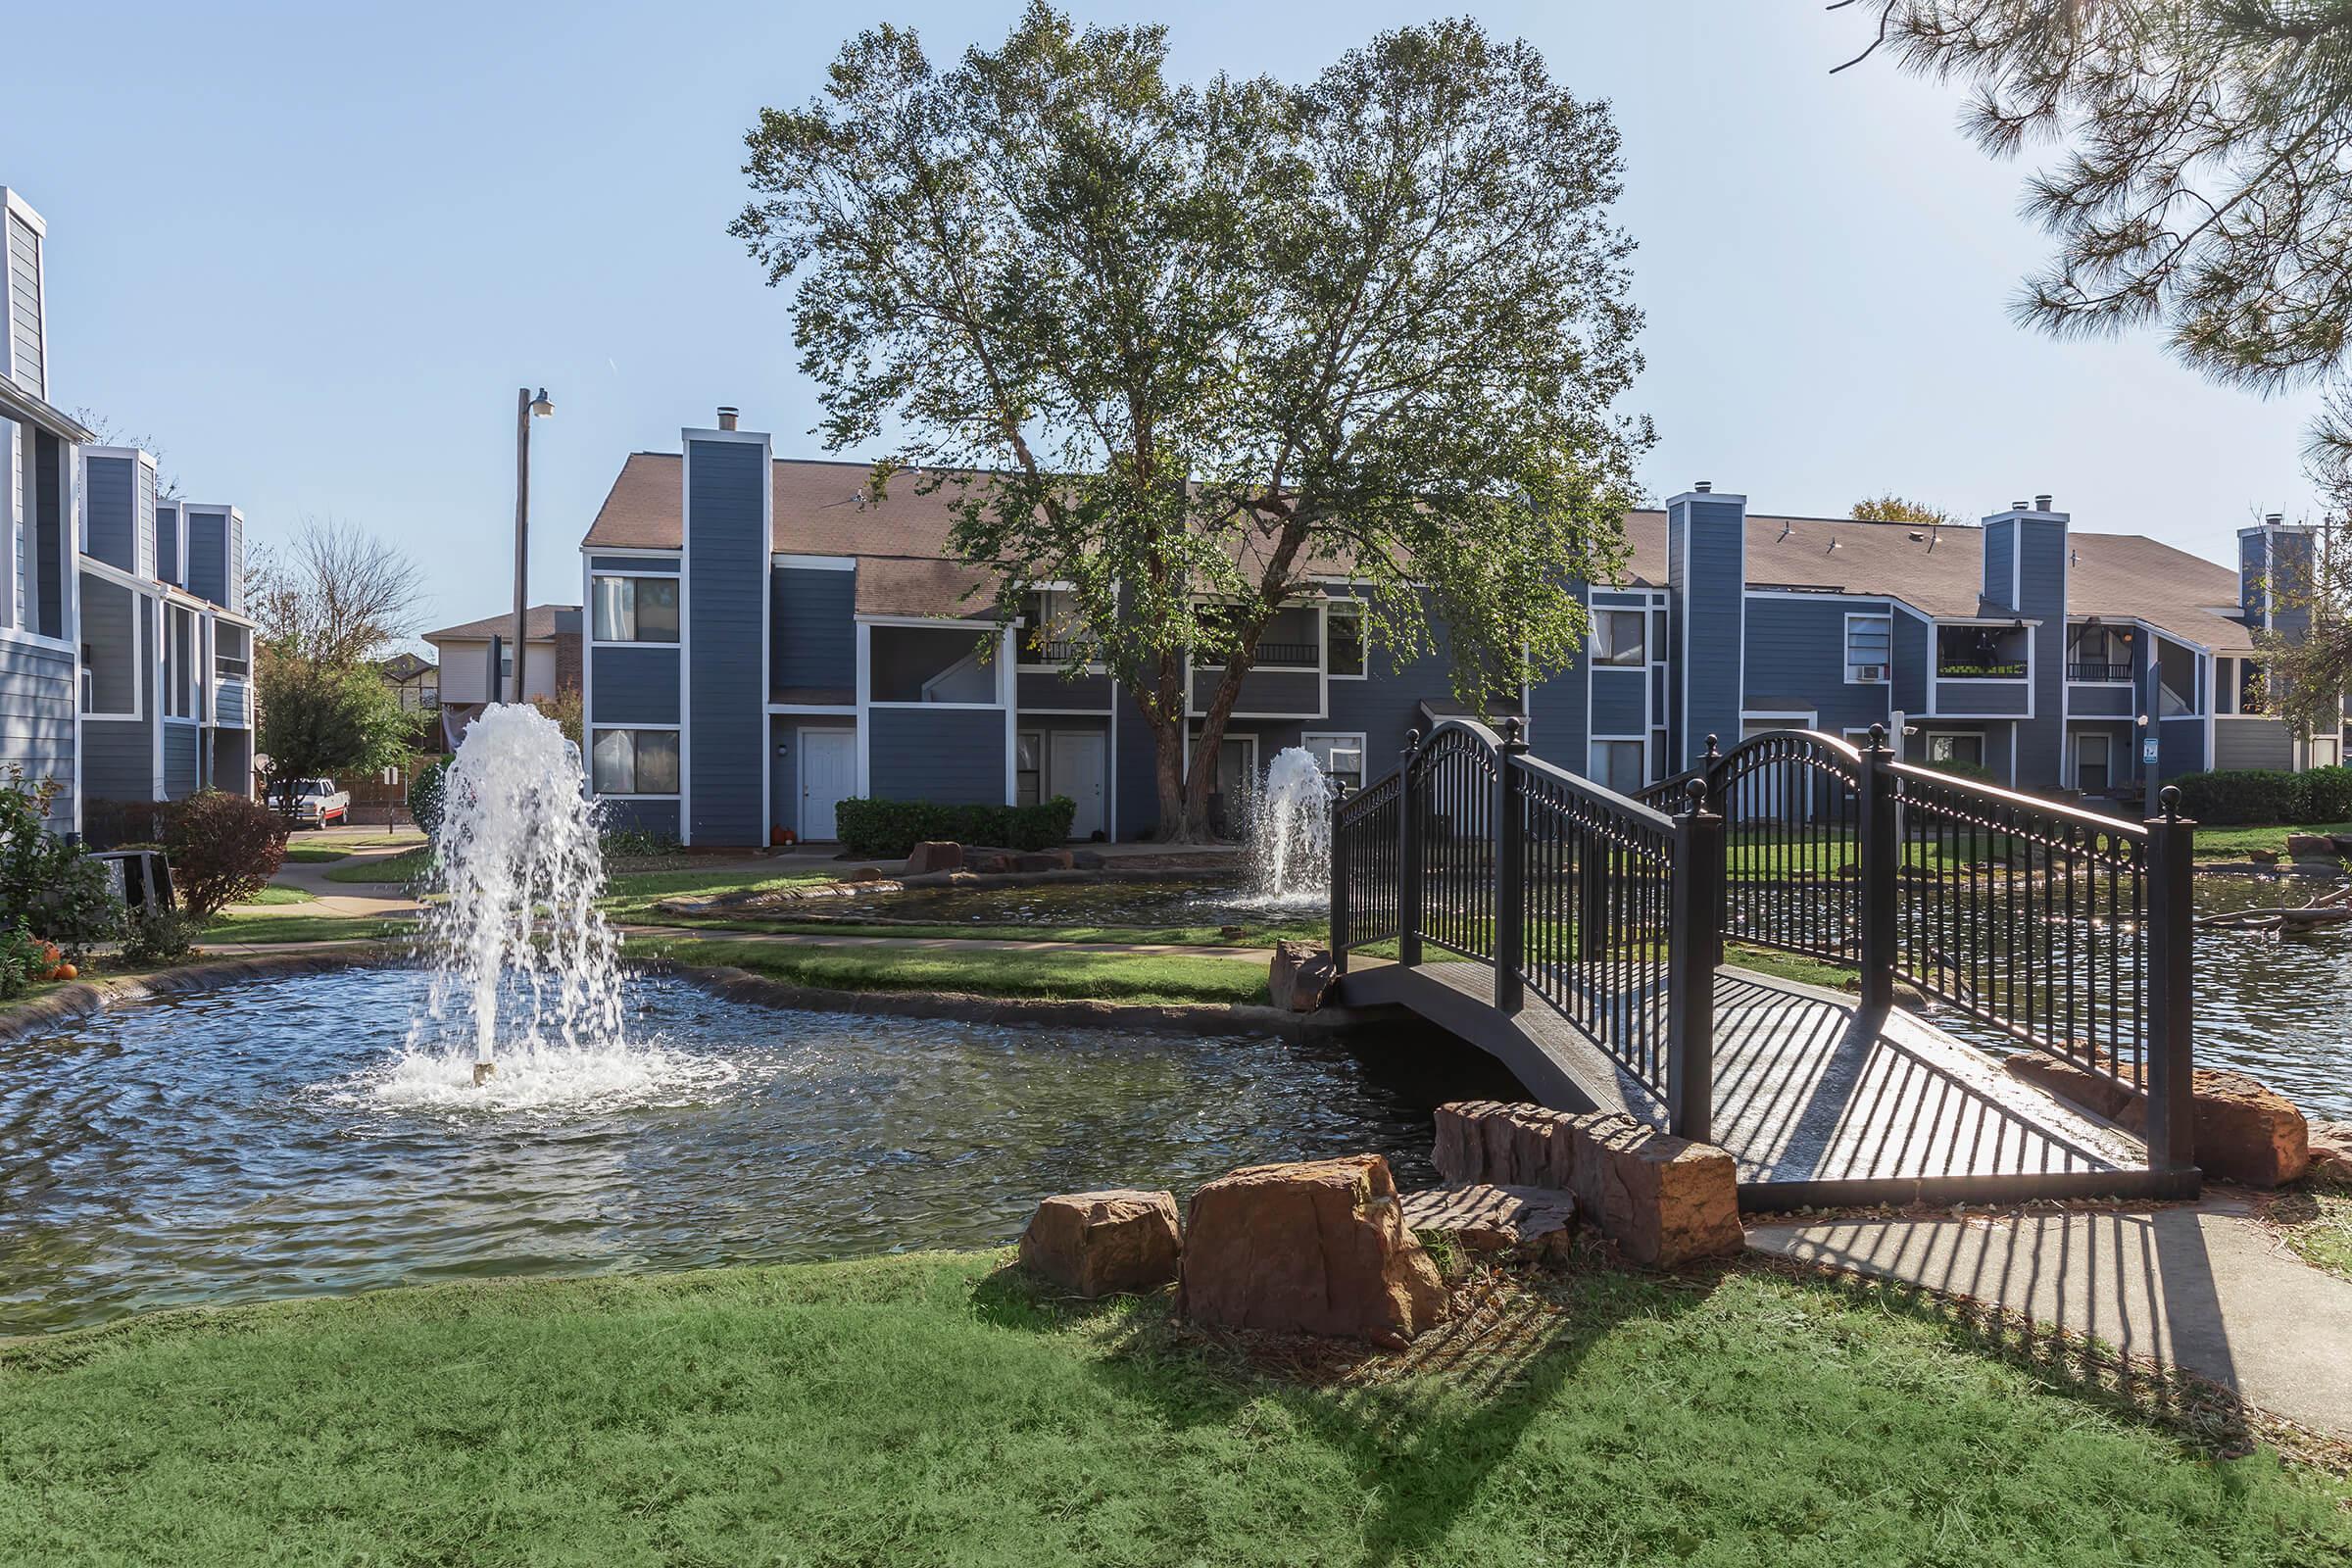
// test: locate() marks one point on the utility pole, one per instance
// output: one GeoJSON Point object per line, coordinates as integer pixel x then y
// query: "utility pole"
{"type": "Point", "coordinates": [527, 408]}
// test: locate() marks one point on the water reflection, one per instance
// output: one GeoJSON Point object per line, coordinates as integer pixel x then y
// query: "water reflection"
{"type": "Point", "coordinates": [233, 1147]}
{"type": "Point", "coordinates": [2279, 1009]}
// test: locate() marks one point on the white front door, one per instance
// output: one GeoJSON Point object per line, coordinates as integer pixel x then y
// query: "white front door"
{"type": "Point", "coordinates": [1076, 770]}
{"type": "Point", "coordinates": [828, 776]}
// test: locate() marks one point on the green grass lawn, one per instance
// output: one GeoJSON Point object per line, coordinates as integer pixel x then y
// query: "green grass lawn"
{"type": "Point", "coordinates": [315, 854]}
{"type": "Point", "coordinates": [632, 895]}
{"type": "Point", "coordinates": [1189, 936]}
{"type": "Point", "coordinates": [236, 926]}
{"type": "Point", "coordinates": [400, 869]}
{"type": "Point", "coordinates": [2317, 1222]}
{"type": "Point", "coordinates": [1061, 975]}
{"type": "Point", "coordinates": [940, 1409]}
{"type": "Point", "coordinates": [274, 894]}
{"type": "Point", "coordinates": [1790, 966]}
{"type": "Point", "coordinates": [2232, 843]}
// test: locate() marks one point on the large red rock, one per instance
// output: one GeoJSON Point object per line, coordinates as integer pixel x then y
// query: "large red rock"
{"type": "Point", "coordinates": [1099, 1244]}
{"type": "Point", "coordinates": [1318, 1248]}
{"type": "Point", "coordinates": [2244, 1131]}
{"type": "Point", "coordinates": [2309, 846]}
{"type": "Point", "coordinates": [1299, 975]}
{"type": "Point", "coordinates": [1537, 1222]}
{"type": "Point", "coordinates": [934, 854]}
{"type": "Point", "coordinates": [2331, 1145]}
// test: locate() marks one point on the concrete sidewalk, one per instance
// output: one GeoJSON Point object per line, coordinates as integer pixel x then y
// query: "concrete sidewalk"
{"type": "Point", "coordinates": [2203, 1287]}
{"type": "Point", "coordinates": [357, 901]}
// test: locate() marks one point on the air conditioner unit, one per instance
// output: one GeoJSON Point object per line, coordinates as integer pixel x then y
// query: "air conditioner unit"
{"type": "Point", "coordinates": [1868, 673]}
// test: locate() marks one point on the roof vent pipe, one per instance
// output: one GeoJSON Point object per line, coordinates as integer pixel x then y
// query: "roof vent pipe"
{"type": "Point", "coordinates": [2042, 502]}
{"type": "Point", "coordinates": [1705, 487]}
{"type": "Point", "coordinates": [727, 415]}
{"type": "Point", "coordinates": [2271, 520]}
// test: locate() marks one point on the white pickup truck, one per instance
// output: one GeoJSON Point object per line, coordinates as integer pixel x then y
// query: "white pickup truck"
{"type": "Point", "coordinates": [319, 803]}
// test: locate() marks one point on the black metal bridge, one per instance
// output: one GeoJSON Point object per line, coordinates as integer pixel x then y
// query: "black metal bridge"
{"type": "Point", "coordinates": [1582, 937]}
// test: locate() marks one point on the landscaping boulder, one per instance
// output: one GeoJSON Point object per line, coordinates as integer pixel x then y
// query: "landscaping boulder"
{"type": "Point", "coordinates": [2342, 842]}
{"type": "Point", "coordinates": [2331, 1145]}
{"type": "Point", "coordinates": [1664, 1200]}
{"type": "Point", "coordinates": [2244, 1132]}
{"type": "Point", "coordinates": [862, 873]}
{"type": "Point", "coordinates": [1299, 975]}
{"type": "Point", "coordinates": [1097, 1244]}
{"type": "Point", "coordinates": [1086, 860]}
{"type": "Point", "coordinates": [1529, 1222]}
{"type": "Point", "coordinates": [934, 854]}
{"type": "Point", "coordinates": [2263, 857]}
{"type": "Point", "coordinates": [1315, 1247]}
{"type": "Point", "coordinates": [2309, 846]}
{"type": "Point", "coordinates": [1044, 860]}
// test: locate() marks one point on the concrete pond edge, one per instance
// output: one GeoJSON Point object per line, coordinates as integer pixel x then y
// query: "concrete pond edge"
{"type": "Point", "coordinates": [80, 999]}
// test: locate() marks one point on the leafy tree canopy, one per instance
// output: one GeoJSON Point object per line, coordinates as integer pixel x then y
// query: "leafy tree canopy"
{"type": "Point", "coordinates": [319, 719]}
{"type": "Point", "coordinates": [1186, 348]}
{"type": "Point", "coordinates": [1891, 507]}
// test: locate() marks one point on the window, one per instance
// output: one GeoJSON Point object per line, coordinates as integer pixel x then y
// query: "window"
{"type": "Point", "coordinates": [1340, 757]}
{"type": "Point", "coordinates": [1617, 765]}
{"type": "Point", "coordinates": [2251, 686]}
{"type": "Point", "coordinates": [2327, 751]}
{"type": "Point", "coordinates": [1617, 637]}
{"type": "Point", "coordinates": [636, 761]}
{"type": "Point", "coordinates": [1967, 749]}
{"type": "Point", "coordinates": [636, 609]}
{"type": "Point", "coordinates": [1026, 773]}
{"type": "Point", "coordinates": [1344, 638]}
{"type": "Point", "coordinates": [1051, 634]}
{"type": "Point", "coordinates": [1869, 649]}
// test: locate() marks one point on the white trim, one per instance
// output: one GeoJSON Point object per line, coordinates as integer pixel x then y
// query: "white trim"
{"type": "Point", "coordinates": [1008, 692]}
{"type": "Point", "coordinates": [34, 639]}
{"type": "Point", "coordinates": [941, 707]}
{"type": "Point", "coordinates": [648, 551]}
{"type": "Point", "coordinates": [1058, 712]}
{"type": "Point", "coordinates": [833, 709]}
{"type": "Point", "coordinates": [590, 761]}
{"type": "Point", "coordinates": [793, 563]}
{"type": "Point", "coordinates": [767, 632]}
{"type": "Point", "coordinates": [1811, 716]}
{"type": "Point", "coordinates": [862, 641]}
{"type": "Point", "coordinates": [1363, 748]}
{"type": "Point", "coordinates": [685, 639]}
{"type": "Point", "coordinates": [587, 661]}
{"type": "Point", "coordinates": [1846, 649]}
{"type": "Point", "coordinates": [977, 627]}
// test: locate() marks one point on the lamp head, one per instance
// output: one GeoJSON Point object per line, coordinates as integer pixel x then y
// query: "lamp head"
{"type": "Point", "coordinates": [542, 406]}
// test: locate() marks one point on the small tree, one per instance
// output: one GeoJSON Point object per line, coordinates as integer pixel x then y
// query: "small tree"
{"type": "Point", "coordinates": [568, 709]}
{"type": "Point", "coordinates": [322, 719]}
{"type": "Point", "coordinates": [1891, 507]}
{"type": "Point", "coordinates": [1189, 348]}
{"type": "Point", "coordinates": [334, 595]}
{"type": "Point", "coordinates": [222, 847]}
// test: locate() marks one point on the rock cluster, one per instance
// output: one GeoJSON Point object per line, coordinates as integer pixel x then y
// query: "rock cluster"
{"type": "Point", "coordinates": [1664, 1200]}
{"type": "Point", "coordinates": [1299, 975]}
{"type": "Point", "coordinates": [2331, 1145]}
{"type": "Point", "coordinates": [1527, 1222]}
{"type": "Point", "coordinates": [935, 857]}
{"type": "Point", "coordinates": [2244, 1131]}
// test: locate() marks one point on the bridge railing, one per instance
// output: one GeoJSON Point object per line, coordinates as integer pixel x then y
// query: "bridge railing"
{"type": "Point", "coordinates": [1601, 906]}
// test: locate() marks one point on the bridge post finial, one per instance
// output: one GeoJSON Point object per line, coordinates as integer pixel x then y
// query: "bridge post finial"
{"type": "Point", "coordinates": [1513, 731]}
{"type": "Point", "coordinates": [2168, 800]}
{"type": "Point", "coordinates": [1412, 742]}
{"type": "Point", "coordinates": [1714, 748]}
{"type": "Point", "coordinates": [1878, 737]}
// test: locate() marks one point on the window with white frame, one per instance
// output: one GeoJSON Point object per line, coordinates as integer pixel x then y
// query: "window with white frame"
{"type": "Point", "coordinates": [636, 761]}
{"type": "Point", "coordinates": [1869, 648]}
{"type": "Point", "coordinates": [1617, 765]}
{"type": "Point", "coordinates": [1028, 768]}
{"type": "Point", "coordinates": [1617, 637]}
{"type": "Point", "coordinates": [1340, 757]}
{"type": "Point", "coordinates": [1052, 633]}
{"type": "Point", "coordinates": [636, 609]}
{"type": "Point", "coordinates": [1965, 746]}
{"type": "Point", "coordinates": [1344, 639]}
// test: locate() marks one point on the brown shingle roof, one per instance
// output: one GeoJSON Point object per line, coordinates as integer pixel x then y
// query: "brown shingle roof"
{"type": "Point", "coordinates": [538, 625]}
{"type": "Point", "coordinates": [905, 570]}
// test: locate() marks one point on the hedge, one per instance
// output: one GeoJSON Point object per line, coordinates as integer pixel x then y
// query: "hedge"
{"type": "Point", "coordinates": [2248, 796]}
{"type": "Point", "coordinates": [890, 829]}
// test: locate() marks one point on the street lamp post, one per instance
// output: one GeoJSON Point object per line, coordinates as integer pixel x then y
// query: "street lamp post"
{"type": "Point", "coordinates": [527, 408]}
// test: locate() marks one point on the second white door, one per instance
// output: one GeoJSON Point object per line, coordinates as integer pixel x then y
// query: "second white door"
{"type": "Point", "coordinates": [1075, 768]}
{"type": "Point", "coordinates": [828, 776]}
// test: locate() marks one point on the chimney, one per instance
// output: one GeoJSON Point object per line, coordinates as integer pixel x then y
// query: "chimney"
{"type": "Point", "coordinates": [2017, 506]}
{"type": "Point", "coordinates": [727, 414]}
{"type": "Point", "coordinates": [1705, 487]}
{"type": "Point", "coordinates": [2271, 520]}
{"type": "Point", "coordinates": [2042, 502]}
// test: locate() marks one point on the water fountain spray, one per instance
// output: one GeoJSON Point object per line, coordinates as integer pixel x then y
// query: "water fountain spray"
{"type": "Point", "coordinates": [523, 954]}
{"type": "Point", "coordinates": [1290, 832]}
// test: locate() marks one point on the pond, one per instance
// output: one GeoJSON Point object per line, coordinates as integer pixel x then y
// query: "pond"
{"type": "Point", "coordinates": [2280, 1010]}
{"type": "Point", "coordinates": [276, 1140]}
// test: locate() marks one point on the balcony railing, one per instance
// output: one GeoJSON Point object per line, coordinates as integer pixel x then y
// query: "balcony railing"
{"type": "Point", "coordinates": [1287, 656]}
{"type": "Point", "coordinates": [1957, 669]}
{"type": "Point", "coordinates": [2098, 672]}
{"type": "Point", "coordinates": [1055, 654]}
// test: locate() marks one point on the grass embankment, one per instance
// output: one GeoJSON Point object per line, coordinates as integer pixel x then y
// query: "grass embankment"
{"type": "Point", "coordinates": [1183, 936]}
{"type": "Point", "coordinates": [2234, 843]}
{"type": "Point", "coordinates": [274, 894]}
{"type": "Point", "coordinates": [2316, 1221]}
{"type": "Point", "coordinates": [232, 925]}
{"type": "Point", "coordinates": [1790, 966]}
{"type": "Point", "coordinates": [315, 854]}
{"type": "Point", "coordinates": [937, 1408]}
{"type": "Point", "coordinates": [1064, 974]}
{"type": "Point", "coordinates": [400, 869]}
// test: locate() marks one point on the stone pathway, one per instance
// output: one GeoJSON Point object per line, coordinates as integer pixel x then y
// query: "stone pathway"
{"type": "Point", "coordinates": [2202, 1286]}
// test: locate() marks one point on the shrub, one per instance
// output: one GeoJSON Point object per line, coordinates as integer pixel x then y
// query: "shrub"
{"type": "Point", "coordinates": [636, 843]}
{"type": "Point", "coordinates": [424, 796]}
{"type": "Point", "coordinates": [154, 936]}
{"type": "Point", "coordinates": [2329, 794]}
{"type": "Point", "coordinates": [889, 829]}
{"type": "Point", "coordinates": [1961, 769]}
{"type": "Point", "coordinates": [2248, 795]}
{"type": "Point", "coordinates": [23, 958]}
{"type": "Point", "coordinates": [222, 847]}
{"type": "Point", "coordinates": [51, 887]}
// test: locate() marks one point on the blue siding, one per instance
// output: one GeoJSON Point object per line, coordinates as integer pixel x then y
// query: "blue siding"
{"type": "Point", "coordinates": [167, 542]}
{"type": "Point", "coordinates": [2001, 543]}
{"type": "Point", "coordinates": [2290, 584]}
{"type": "Point", "coordinates": [2180, 747]}
{"type": "Point", "coordinates": [181, 767]}
{"type": "Point", "coordinates": [1047, 689]}
{"type": "Point", "coordinates": [1387, 704]}
{"type": "Point", "coordinates": [110, 512]}
{"type": "Point", "coordinates": [37, 730]}
{"type": "Point", "coordinates": [2253, 567]}
{"type": "Point", "coordinates": [726, 592]}
{"type": "Point", "coordinates": [1617, 706]}
{"type": "Point", "coordinates": [1276, 692]}
{"type": "Point", "coordinates": [635, 565]}
{"type": "Point", "coordinates": [814, 644]}
{"type": "Point", "coordinates": [640, 816]}
{"type": "Point", "coordinates": [1975, 697]}
{"type": "Point", "coordinates": [1913, 652]}
{"type": "Point", "coordinates": [2042, 594]}
{"type": "Point", "coordinates": [1707, 596]}
{"type": "Point", "coordinates": [634, 685]}
{"type": "Point", "coordinates": [208, 554]}
{"type": "Point", "coordinates": [952, 756]}
{"type": "Point", "coordinates": [118, 758]}
{"type": "Point", "coordinates": [1134, 769]}
{"type": "Point", "coordinates": [2087, 701]}
{"type": "Point", "coordinates": [1796, 652]}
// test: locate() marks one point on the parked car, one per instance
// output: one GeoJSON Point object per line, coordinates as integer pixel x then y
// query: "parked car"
{"type": "Point", "coordinates": [319, 803]}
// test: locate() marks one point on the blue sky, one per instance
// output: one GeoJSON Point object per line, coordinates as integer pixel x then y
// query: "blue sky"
{"type": "Point", "coordinates": [313, 250]}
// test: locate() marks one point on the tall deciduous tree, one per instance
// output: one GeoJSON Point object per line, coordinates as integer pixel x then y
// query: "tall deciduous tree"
{"type": "Point", "coordinates": [333, 596]}
{"type": "Point", "coordinates": [317, 719]}
{"type": "Point", "coordinates": [1188, 349]}
{"type": "Point", "coordinates": [1891, 507]}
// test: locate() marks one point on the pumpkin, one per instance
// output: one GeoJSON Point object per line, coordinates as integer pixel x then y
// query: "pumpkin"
{"type": "Point", "coordinates": [66, 972]}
